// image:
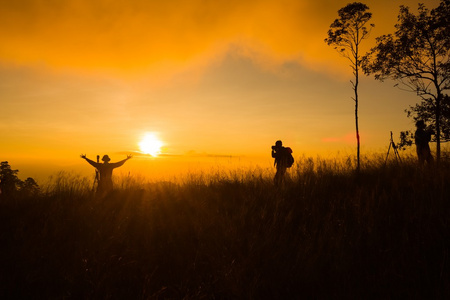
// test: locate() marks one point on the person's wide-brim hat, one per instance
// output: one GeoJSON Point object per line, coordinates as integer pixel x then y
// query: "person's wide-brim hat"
{"type": "Point", "coordinates": [106, 158]}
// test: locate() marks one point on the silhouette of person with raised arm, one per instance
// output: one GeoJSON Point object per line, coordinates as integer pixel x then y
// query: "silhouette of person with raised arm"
{"type": "Point", "coordinates": [422, 137]}
{"type": "Point", "coordinates": [283, 160]}
{"type": "Point", "coordinates": [105, 170]}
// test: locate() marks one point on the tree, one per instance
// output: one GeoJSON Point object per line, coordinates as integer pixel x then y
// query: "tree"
{"type": "Point", "coordinates": [8, 179]}
{"type": "Point", "coordinates": [10, 183]}
{"type": "Point", "coordinates": [417, 57]}
{"type": "Point", "coordinates": [29, 187]}
{"type": "Point", "coordinates": [346, 34]}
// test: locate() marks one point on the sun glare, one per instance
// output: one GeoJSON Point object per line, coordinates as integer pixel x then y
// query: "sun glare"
{"type": "Point", "coordinates": [150, 144]}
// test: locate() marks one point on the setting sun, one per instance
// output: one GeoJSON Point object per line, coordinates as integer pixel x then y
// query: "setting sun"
{"type": "Point", "coordinates": [150, 144]}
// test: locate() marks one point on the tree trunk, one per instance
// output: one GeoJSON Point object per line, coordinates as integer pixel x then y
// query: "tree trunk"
{"type": "Point", "coordinates": [438, 128]}
{"type": "Point", "coordinates": [356, 109]}
{"type": "Point", "coordinates": [357, 129]}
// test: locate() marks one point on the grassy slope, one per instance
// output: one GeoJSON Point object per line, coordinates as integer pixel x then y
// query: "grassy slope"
{"type": "Point", "coordinates": [327, 233]}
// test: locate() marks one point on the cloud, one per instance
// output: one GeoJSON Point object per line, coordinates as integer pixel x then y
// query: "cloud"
{"type": "Point", "coordinates": [349, 138]}
{"type": "Point", "coordinates": [162, 36]}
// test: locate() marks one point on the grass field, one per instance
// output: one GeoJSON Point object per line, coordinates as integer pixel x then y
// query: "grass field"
{"type": "Point", "coordinates": [327, 233]}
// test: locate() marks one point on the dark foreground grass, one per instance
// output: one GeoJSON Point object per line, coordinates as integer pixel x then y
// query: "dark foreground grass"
{"type": "Point", "coordinates": [327, 233]}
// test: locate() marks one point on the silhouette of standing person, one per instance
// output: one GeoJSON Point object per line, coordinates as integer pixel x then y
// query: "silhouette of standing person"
{"type": "Point", "coordinates": [105, 170]}
{"type": "Point", "coordinates": [283, 160]}
{"type": "Point", "coordinates": [422, 137]}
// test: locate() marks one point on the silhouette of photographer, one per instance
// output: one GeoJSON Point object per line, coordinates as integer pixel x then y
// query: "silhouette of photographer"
{"type": "Point", "coordinates": [422, 137]}
{"type": "Point", "coordinates": [283, 160]}
{"type": "Point", "coordinates": [105, 170]}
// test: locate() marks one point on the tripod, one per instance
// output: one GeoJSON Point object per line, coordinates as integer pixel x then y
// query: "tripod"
{"type": "Point", "coordinates": [394, 147]}
{"type": "Point", "coordinates": [97, 175]}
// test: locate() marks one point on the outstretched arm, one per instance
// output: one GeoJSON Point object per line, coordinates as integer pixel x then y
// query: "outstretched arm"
{"type": "Point", "coordinates": [120, 163]}
{"type": "Point", "coordinates": [91, 162]}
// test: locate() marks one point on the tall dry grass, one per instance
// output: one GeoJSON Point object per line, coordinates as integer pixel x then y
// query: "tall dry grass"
{"type": "Point", "coordinates": [328, 232]}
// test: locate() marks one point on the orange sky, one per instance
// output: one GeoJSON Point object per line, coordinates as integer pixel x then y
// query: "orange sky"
{"type": "Point", "coordinates": [209, 77]}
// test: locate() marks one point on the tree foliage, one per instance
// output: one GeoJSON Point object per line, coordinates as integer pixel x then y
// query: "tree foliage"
{"type": "Point", "coordinates": [346, 34]}
{"type": "Point", "coordinates": [417, 57]}
{"type": "Point", "coordinates": [425, 111]}
{"type": "Point", "coordinates": [8, 179]}
{"type": "Point", "coordinates": [29, 187]}
{"type": "Point", "coordinates": [10, 184]}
